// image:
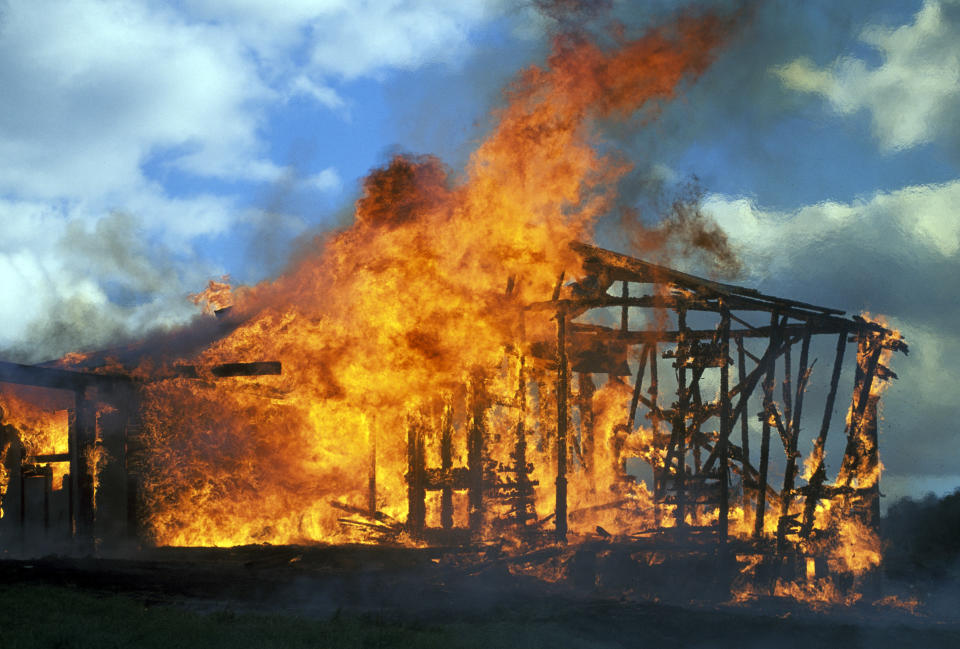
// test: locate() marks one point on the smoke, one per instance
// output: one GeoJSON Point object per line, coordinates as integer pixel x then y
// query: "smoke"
{"type": "Point", "coordinates": [676, 229]}
{"type": "Point", "coordinates": [93, 286]}
{"type": "Point", "coordinates": [679, 230]}
{"type": "Point", "coordinates": [572, 15]}
{"type": "Point", "coordinates": [406, 188]}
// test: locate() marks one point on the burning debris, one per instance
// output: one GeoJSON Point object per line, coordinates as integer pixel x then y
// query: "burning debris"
{"type": "Point", "coordinates": [458, 368]}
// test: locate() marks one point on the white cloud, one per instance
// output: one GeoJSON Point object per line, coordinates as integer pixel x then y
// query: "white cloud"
{"type": "Point", "coordinates": [893, 253]}
{"type": "Point", "coordinates": [911, 96]}
{"type": "Point", "coordinates": [323, 95]}
{"type": "Point", "coordinates": [57, 272]}
{"type": "Point", "coordinates": [354, 38]}
{"type": "Point", "coordinates": [925, 214]}
{"type": "Point", "coordinates": [92, 88]}
{"type": "Point", "coordinates": [94, 92]}
{"type": "Point", "coordinates": [326, 180]}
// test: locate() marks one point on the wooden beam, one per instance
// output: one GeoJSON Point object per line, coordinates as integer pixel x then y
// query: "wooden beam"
{"type": "Point", "coordinates": [744, 396]}
{"type": "Point", "coordinates": [637, 388]}
{"type": "Point", "coordinates": [765, 439]}
{"type": "Point", "coordinates": [560, 511]}
{"type": "Point", "coordinates": [819, 475]}
{"type": "Point", "coordinates": [55, 378]}
{"type": "Point", "coordinates": [785, 524]}
{"type": "Point", "coordinates": [725, 424]}
{"type": "Point", "coordinates": [446, 464]}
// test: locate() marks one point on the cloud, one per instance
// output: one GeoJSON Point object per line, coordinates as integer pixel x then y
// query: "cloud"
{"type": "Point", "coordinates": [326, 180]}
{"type": "Point", "coordinates": [132, 133]}
{"type": "Point", "coordinates": [84, 283]}
{"type": "Point", "coordinates": [91, 89]}
{"type": "Point", "coordinates": [894, 253]}
{"type": "Point", "coordinates": [916, 220]}
{"type": "Point", "coordinates": [322, 94]}
{"type": "Point", "coordinates": [347, 39]}
{"type": "Point", "coordinates": [912, 96]}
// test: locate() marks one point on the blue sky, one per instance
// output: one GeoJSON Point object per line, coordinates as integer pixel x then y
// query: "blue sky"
{"type": "Point", "coordinates": [146, 147]}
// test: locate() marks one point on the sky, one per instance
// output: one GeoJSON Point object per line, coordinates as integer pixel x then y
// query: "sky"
{"type": "Point", "coordinates": [148, 147]}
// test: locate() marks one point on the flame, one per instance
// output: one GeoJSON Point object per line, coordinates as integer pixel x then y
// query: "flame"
{"type": "Point", "coordinates": [217, 295]}
{"type": "Point", "coordinates": [407, 303]}
{"type": "Point", "coordinates": [40, 430]}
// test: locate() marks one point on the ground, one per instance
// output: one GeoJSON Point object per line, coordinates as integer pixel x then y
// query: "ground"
{"type": "Point", "coordinates": [289, 597]}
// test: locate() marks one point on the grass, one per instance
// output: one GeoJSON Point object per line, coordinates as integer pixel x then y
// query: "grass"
{"type": "Point", "coordinates": [62, 617]}
{"type": "Point", "coordinates": [36, 617]}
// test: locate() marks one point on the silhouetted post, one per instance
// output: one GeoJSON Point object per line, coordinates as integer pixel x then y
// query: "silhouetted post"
{"type": "Point", "coordinates": [562, 388]}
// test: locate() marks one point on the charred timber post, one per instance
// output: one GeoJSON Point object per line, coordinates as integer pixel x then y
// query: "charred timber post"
{"type": "Point", "coordinates": [637, 389]}
{"type": "Point", "coordinates": [786, 524]}
{"type": "Point", "coordinates": [416, 489]}
{"type": "Point", "coordinates": [725, 423]}
{"type": "Point", "coordinates": [11, 524]}
{"type": "Point", "coordinates": [81, 440]}
{"type": "Point", "coordinates": [862, 436]}
{"type": "Point", "coordinates": [625, 309]}
{"type": "Point", "coordinates": [446, 464]}
{"type": "Point", "coordinates": [694, 434]}
{"type": "Point", "coordinates": [680, 418]}
{"type": "Point", "coordinates": [744, 397]}
{"type": "Point", "coordinates": [562, 415]}
{"type": "Point", "coordinates": [768, 382]}
{"type": "Point", "coordinates": [475, 455]}
{"type": "Point", "coordinates": [654, 422]}
{"type": "Point", "coordinates": [585, 391]}
{"type": "Point", "coordinates": [819, 475]}
{"type": "Point", "coordinates": [525, 497]}
{"type": "Point", "coordinates": [867, 360]}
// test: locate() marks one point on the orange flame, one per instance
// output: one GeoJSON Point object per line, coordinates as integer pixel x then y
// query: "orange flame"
{"type": "Point", "coordinates": [401, 306]}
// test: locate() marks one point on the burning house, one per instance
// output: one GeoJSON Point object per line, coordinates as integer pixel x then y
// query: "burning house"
{"type": "Point", "coordinates": [456, 368]}
{"type": "Point", "coordinates": [628, 368]}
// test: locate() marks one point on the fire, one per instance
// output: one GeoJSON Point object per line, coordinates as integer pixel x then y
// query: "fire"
{"type": "Point", "coordinates": [40, 431]}
{"type": "Point", "coordinates": [411, 301]}
{"type": "Point", "coordinates": [422, 371]}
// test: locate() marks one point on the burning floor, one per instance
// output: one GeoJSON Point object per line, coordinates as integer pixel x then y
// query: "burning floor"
{"type": "Point", "coordinates": [636, 430]}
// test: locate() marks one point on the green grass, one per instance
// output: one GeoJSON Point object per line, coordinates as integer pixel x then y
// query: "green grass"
{"type": "Point", "coordinates": [37, 617]}
{"type": "Point", "coordinates": [61, 617]}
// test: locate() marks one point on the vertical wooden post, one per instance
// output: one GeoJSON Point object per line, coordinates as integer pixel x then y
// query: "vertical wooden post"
{"type": "Point", "coordinates": [47, 490]}
{"type": "Point", "coordinates": [787, 382]}
{"type": "Point", "coordinates": [585, 391]}
{"type": "Point", "coordinates": [862, 432]}
{"type": "Point", "coordinates": [475, 454]}
{"type": "Point", "coordinates": [785, 524]}
{"type": "Point", "coordinates": [655, 426]}
{"type": "Point", "coordinates": [110, 525]}
{"type": "Point", "coordinates": [680, 418]}
{"type": "Point", "coordinates": [637, 389]}
{"type": "Point", "coordinates": [724, 421]}
{"type": "Point", "coordinates": [867, 360]}
{"type": "Point", "coordinates": [416, 492]}
{"type": "Point", "coordinates": [819, 475]}
{"type": "Point", "coordinates": [82, 439]}
{"type": "Point", "coordinates": [625, 310]}
{"type": "Point", "coordinates": [744, 399]}
{"type": "Point", "coordinates": [768, 382]}
{"type": "Point", "coordinates": [560, 511]}
{"type": "Point", "coordinates": [524, 496]}
{"type": "Point", "coordinates": [446, 464]}
{"type": "Point", "coordinates": [11, 525]}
